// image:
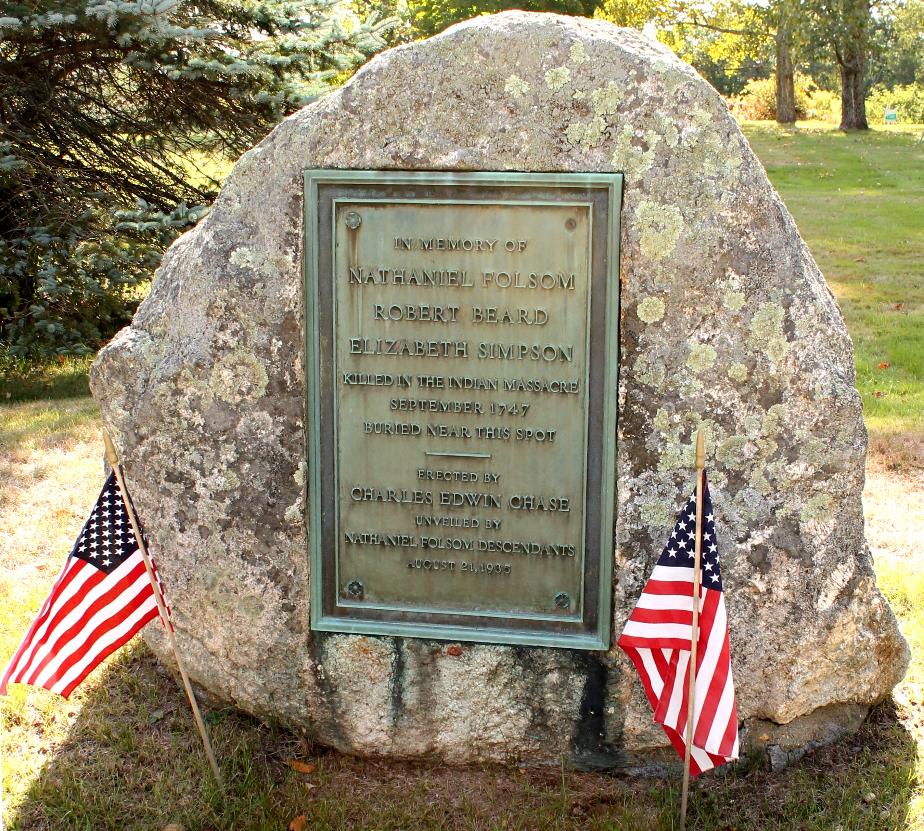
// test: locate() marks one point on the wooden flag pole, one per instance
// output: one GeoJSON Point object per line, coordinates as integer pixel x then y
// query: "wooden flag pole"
{"type": "Point", "coordinates": [694, 634]}
{"type": "Point", "coordinates": [113, 459]}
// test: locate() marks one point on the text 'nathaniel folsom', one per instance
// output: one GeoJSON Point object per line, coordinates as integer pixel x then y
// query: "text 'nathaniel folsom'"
{"type": "Point", "coordinates": [460, 278]}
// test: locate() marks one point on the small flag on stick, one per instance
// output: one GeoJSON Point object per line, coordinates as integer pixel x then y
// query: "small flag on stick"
{"type": "Point", "coordinates": [107, 591]}
{"type": "Point", "coordinates": [658, 638]}
{"type": "Point", "coordinates": [102, 597]}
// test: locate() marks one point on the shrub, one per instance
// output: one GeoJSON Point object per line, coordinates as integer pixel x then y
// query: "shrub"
{"type": "Point", "coordinates": [824, 105]}
{"type": "Point", "coordinates": [908, 101]}
{"type": "Point", "coordinates": [757, 101]}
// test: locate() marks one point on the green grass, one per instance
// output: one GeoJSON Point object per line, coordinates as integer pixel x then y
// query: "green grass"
{"type": "Point", "coordinates": [50, 380]}
{"type": "Point", "coordinates": [858, 200]}
{"type": "Point", "coordinates": [123, 753]}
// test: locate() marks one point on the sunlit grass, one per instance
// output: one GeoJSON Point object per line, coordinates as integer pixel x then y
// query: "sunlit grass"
{"type": "Point", "coordinates": [858, 200]}
{"type": "Point", "coordinates": [22, 379]}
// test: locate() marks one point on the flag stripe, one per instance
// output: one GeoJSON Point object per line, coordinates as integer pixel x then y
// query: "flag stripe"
{"type": "Point", "coordinates": [655, 616]}
{"type": "Point", "coordinates": [95, 590]}
{"type": "Point", "coordinates": [108, 607]}
{"type": "Point", "coordinates": [126, 633]}
{"type": "Point", "coordinates": [129, 619]}
{"type": "Point", "coordinates": [40, 617]}
{"type": "Point", "coordinates": [711, 674]}
{"type": "Point", "coordinates": [101, 598]}
{"type": "Point", "coordinates": [657, 631]}
{"type": "Point", "coordinates": [676, 588]}
{"type": "Point", "coordinates": [62, 593]}
{"type": "Point", "coordinates": [650, 600]}
{"type": "Point", "coordinates": [657, 639]}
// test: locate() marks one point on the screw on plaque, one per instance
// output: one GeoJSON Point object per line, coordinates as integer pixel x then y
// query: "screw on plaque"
{"type": "Point", "coordinates": [563, 600]}
{"type": "Point", "coordinates": [571, 224]}
{"type": "Point", "coordinates": [355, 589]}
{"type": "Point", "coordinates": [353, 220]}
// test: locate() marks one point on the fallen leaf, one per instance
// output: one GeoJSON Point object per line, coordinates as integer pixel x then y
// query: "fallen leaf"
{"type": "Point", "coordinates": [899, 307]}
{"type": "Point", "coordinates": [877, 394]}
{"type": "Point", "coordinates": [860, 260]}
{"type": "Point", "coordinates": [454, 649]}
{"type": "Point", "coordinates": [300, 823]}
{"type": "Point", "coordinates": [884, 365]}
{"type": "Point", "coordinates": [301, 767]}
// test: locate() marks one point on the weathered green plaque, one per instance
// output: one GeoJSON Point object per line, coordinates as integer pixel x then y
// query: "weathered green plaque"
{"type": "Point", "coordinates": [462, 335]}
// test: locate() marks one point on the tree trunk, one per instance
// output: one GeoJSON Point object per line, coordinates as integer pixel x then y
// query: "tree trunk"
{"type": "Point", "coordinates": [785, 80]}
{"type": "Point", "coordinates": [850, 47]}
{"type": "Point", "coordinates": [853, 91]}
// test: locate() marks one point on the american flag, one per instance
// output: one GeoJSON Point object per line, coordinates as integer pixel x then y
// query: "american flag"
{"type": "Point", "coordinates": [101, 598]}
{"type": "Point", "coordinates": [658, 637]}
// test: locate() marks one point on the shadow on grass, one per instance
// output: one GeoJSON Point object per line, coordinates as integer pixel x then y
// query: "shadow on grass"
{"type": "Point", "coordinates": [130, 759]}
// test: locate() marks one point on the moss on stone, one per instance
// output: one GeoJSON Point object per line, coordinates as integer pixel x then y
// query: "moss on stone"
{"type": "Point", "coordinates": [656, 513]}
{"type": "Point", "coordinates": [767, 333]}
{"type": "Point", "coordinates": [650, 309]}
{"type": "Point", "coordinates": [238, 377]}
{"type": "Point", "coordinates": [650, 372]}
{"type": "Point", "coordinates": [516, 86]}
{"type": "Point", "coordinates": [738, 372]}
{"type": "Point", "coordinates": [817, 508]}
{"type": "Point", "coordinates": [578, 53]}
{"type": "Point", "coordinates": [759, 482]}
{"type": "Point", "coordinates": [702, 357]}
{"type": "Point", "coordinates": [731, 452]}
{"type": "Point", "coordinates": [629, 158]}
{"type": "Point", "coordinates": [606, 100]}
{"type": "Point", "coordinates": [733, 300]}
{"type": "Point", "coordinates": [556, 78]}
{"type": "Point", "coordinates": [588, 134]}
{"type": "Point", "coordinates": [662, 420]}
{"type": "Point", "coordinates": [659, 228]}
{"type": "Point", "coordinates": [752, 425]}
{"type": "Point", "coordinates": [773, 420]}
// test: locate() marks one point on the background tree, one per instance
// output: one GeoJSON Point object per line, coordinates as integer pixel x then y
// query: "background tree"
{"type": "Point", "coordinates": [729, 42]}
{"type": "Point", "coordinates": [428, 17]}
{"type": "Point", "coordinates": [115, 117]}
{"type": "Point", "coordinates": [846, 25]}
{"type": "Point", "coordinates": [785, 18]}
{"type": "Point", "coordinates": [896, 54]}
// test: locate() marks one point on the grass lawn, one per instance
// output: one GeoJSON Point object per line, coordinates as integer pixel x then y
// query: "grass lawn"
{"type": "Point", "coordinates": [859, 202]}
{"type": "Point", "coordinates": [123, 752]}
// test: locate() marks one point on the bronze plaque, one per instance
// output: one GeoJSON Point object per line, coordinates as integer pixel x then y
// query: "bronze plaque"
{"type": "Point", "coordinates": [461, 355]}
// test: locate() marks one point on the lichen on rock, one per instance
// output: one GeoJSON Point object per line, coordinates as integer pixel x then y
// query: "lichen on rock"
{"type": "Point", "coordinates": [516, 86]}
{"type": "Point", "coordinates": [701, 357]}
{"type": "Point", "coordinates": [659, 227]}
{"type": "Point", "coordinates": [556, 78]}
{"type": "Point", "coordinates": [650, 309]}
{"type": "Point", "coordinates": [727, 326]}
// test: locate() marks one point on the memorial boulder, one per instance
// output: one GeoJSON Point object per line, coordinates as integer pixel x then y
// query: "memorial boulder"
{"type": "Point", "coordinates": [408, 416]}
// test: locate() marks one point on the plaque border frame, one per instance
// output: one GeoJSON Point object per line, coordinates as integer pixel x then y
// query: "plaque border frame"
{"type": "Point", "coordinates": [588, 640]}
